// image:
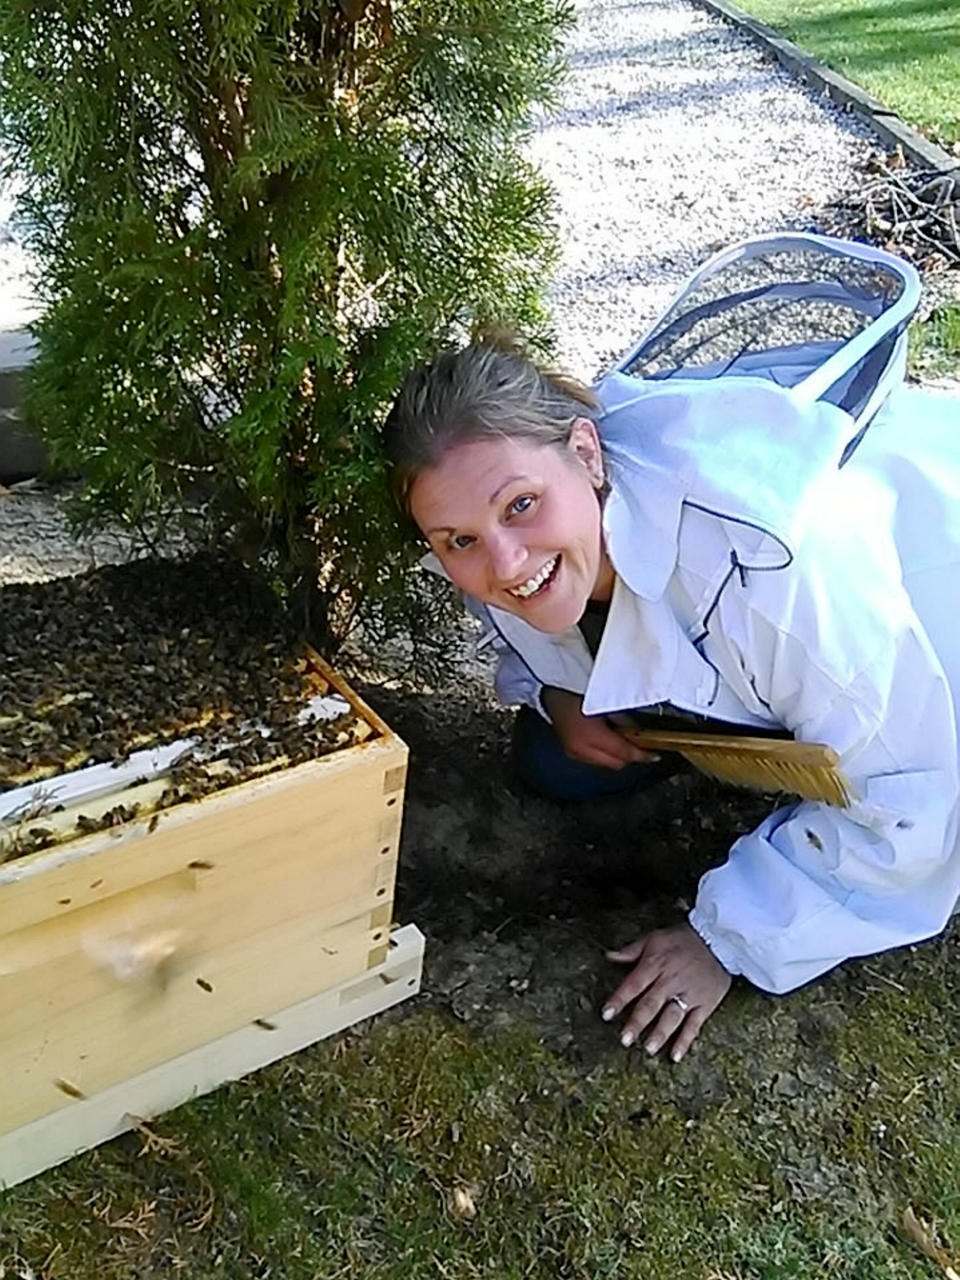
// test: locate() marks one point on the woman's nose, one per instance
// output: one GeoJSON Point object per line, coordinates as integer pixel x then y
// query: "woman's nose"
{"type": "Point", "coordinates": [507, 555]}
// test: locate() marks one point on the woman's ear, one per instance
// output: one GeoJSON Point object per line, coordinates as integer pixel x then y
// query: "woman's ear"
{"type": "Point", "coordinates": [584, 444]}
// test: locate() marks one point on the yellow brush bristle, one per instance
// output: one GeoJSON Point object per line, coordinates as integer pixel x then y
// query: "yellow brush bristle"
{"type": "Point", "coordinates": [812, 782]}
{"type": "Point", "coordinates": [770, 763]}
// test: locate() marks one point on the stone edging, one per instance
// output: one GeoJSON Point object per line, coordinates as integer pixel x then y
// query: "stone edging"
{"type": "Point", "coordinates": [882, 119]}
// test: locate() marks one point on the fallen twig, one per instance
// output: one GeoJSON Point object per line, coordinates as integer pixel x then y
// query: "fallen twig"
{"type": "Point", "coordinates": [912, 212]}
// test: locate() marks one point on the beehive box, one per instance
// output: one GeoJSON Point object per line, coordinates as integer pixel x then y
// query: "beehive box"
{"type": "Point", "coordinates": [148, 962]}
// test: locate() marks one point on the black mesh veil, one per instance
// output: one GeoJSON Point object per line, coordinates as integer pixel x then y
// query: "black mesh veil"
{"type": "Point", "coordinates": [825, 316]}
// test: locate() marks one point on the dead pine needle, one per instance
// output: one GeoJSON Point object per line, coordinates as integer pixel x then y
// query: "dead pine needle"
{"type": "Point", "coordinates": [156, 1144]}
{"type": "Point", "coordinates": [881, 977]}
{"type": "Point", "coordinates": [152, 1142]}
{"type": "Point", "coordinates": [203, 1219]}
{"type": "Point", "coordinates": [922, 1234]}
{"type": "Point", "coordinates": [461, 1204]}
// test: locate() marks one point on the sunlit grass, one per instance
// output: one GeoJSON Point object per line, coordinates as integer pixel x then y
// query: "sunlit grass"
{"type": "Point", "coordinates": [935, 344]}
{"type": "Point", "coordinates": [905, 52]}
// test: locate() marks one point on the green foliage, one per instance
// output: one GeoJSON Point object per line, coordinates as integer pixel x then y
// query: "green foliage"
{"type": "Point", "coordinates": [935, 343]}
{"type": "Point", "coordinates": [251, 218]}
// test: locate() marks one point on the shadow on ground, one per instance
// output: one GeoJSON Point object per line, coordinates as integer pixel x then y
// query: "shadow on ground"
{"type": "Point", "coordinates": [519, 898]}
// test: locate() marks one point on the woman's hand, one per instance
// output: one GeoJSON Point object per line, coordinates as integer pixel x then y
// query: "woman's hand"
{"type": "Point", "coordinates": [676, 982]}
{"type": "Point", "coordinates": [589, 739]}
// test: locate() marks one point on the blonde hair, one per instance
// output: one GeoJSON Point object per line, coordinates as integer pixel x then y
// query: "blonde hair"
{"type": "Point", "coordinates": [488, 389]}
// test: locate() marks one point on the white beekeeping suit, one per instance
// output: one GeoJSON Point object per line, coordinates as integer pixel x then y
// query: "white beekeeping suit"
{"type": "Point", "coordinates": [760, 583]}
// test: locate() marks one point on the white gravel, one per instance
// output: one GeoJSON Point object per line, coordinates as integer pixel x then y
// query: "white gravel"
{"type": "Point", "coordinates": [37, 542]}
{"type": "Point", "coordinates": [18, 305]}
{"type": "Point", "coordinates": [677, 137]}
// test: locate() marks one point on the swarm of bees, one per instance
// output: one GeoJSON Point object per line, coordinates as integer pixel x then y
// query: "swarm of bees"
{"type": "Point", "coordinates": [95, 667]}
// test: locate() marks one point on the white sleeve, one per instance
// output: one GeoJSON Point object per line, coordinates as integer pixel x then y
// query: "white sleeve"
{"type": "Point", "coordinates": [840, 657]}
{"type": "Point", "coordinates": [514, 682]}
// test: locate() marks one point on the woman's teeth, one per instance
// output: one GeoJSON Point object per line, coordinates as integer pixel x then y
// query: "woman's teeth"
{"type": "Point", "coordinates": [536, 582]}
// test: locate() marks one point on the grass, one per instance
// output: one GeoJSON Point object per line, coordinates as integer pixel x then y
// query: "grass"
{"type": "Point", "coordinates": [935, 344]}
{"type": "Point", "coordinates": [788, 1147]}
{"type": "Point", "coordinates": [906, 52]}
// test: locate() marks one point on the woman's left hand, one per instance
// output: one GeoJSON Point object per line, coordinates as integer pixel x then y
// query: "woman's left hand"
{"type": "Point", "coordinates": [676, 982]}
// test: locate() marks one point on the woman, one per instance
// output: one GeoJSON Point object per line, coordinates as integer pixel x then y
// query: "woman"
{"type": "Point", "coordinates": [745, 576]}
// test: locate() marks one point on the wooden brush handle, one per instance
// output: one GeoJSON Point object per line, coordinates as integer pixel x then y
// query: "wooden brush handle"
{"type": "Point", "coordinates": [800, 753]}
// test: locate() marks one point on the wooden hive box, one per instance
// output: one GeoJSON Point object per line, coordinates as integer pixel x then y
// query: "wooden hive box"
{"type": "Point", "coordinates": [148, 963]}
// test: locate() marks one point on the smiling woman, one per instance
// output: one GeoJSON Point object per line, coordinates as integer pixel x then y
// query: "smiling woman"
{"type": "Point", "coordinates": [721, 547]}
{"type": "Point", "coordinates": [518, 524]}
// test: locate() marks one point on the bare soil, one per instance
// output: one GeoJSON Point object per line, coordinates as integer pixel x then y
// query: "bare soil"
{"type": "Point", "coordinates": [520, 896]}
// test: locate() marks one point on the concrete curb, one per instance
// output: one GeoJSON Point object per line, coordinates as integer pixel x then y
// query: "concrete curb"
{"type": "Point", "coordinates": [881, 119]}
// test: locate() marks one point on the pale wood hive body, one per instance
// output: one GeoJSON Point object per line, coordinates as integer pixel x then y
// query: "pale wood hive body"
{"type": "Point", "coordinates": [146, 963]}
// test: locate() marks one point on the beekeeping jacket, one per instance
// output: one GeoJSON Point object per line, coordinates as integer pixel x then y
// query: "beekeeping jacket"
{"type": "Point", "coordinates": [760, 583]}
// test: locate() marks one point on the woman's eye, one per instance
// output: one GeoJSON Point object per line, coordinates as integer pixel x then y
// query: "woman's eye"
{"type": "Point", "coordinates": [521, 504]}
{"type": "Point", "coordinates": [460, 541]}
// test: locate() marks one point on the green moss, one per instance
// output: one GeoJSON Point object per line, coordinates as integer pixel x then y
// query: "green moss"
{"type": "Point", "coordinates": [787, 1146]}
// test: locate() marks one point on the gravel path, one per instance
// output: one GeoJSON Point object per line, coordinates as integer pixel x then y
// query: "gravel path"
{"type": "Point", "coordinates": [36, 543]}
{"type": "Point", "coordinates": [676, 137]}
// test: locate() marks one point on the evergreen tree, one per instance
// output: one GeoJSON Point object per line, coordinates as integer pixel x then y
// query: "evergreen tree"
{"type": "Point", "coordinates": [251, 217]}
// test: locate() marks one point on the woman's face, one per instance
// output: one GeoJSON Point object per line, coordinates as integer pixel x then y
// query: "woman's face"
{"type": "Point", "coordinates": [516, 524]}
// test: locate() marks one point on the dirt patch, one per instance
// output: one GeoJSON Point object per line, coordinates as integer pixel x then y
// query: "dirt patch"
{"type": "Point", "coordinates": [520, 897]}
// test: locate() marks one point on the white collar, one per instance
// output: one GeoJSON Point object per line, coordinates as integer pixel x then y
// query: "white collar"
{"type": "Point", "coordinates": [641, 526]}
{"type": "Point", "coordinates": [745, 449]}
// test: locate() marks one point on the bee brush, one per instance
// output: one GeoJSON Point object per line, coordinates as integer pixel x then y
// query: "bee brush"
{"type": "Point", "coordinates": [806, 769]}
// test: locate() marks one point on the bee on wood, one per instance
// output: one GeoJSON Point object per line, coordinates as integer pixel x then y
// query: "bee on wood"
{"type": "Point", "coordinates": [69, 1089]}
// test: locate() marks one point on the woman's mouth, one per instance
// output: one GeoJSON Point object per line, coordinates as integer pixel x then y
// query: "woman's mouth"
{"type": "Point", "coordinates": [538, 583]}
